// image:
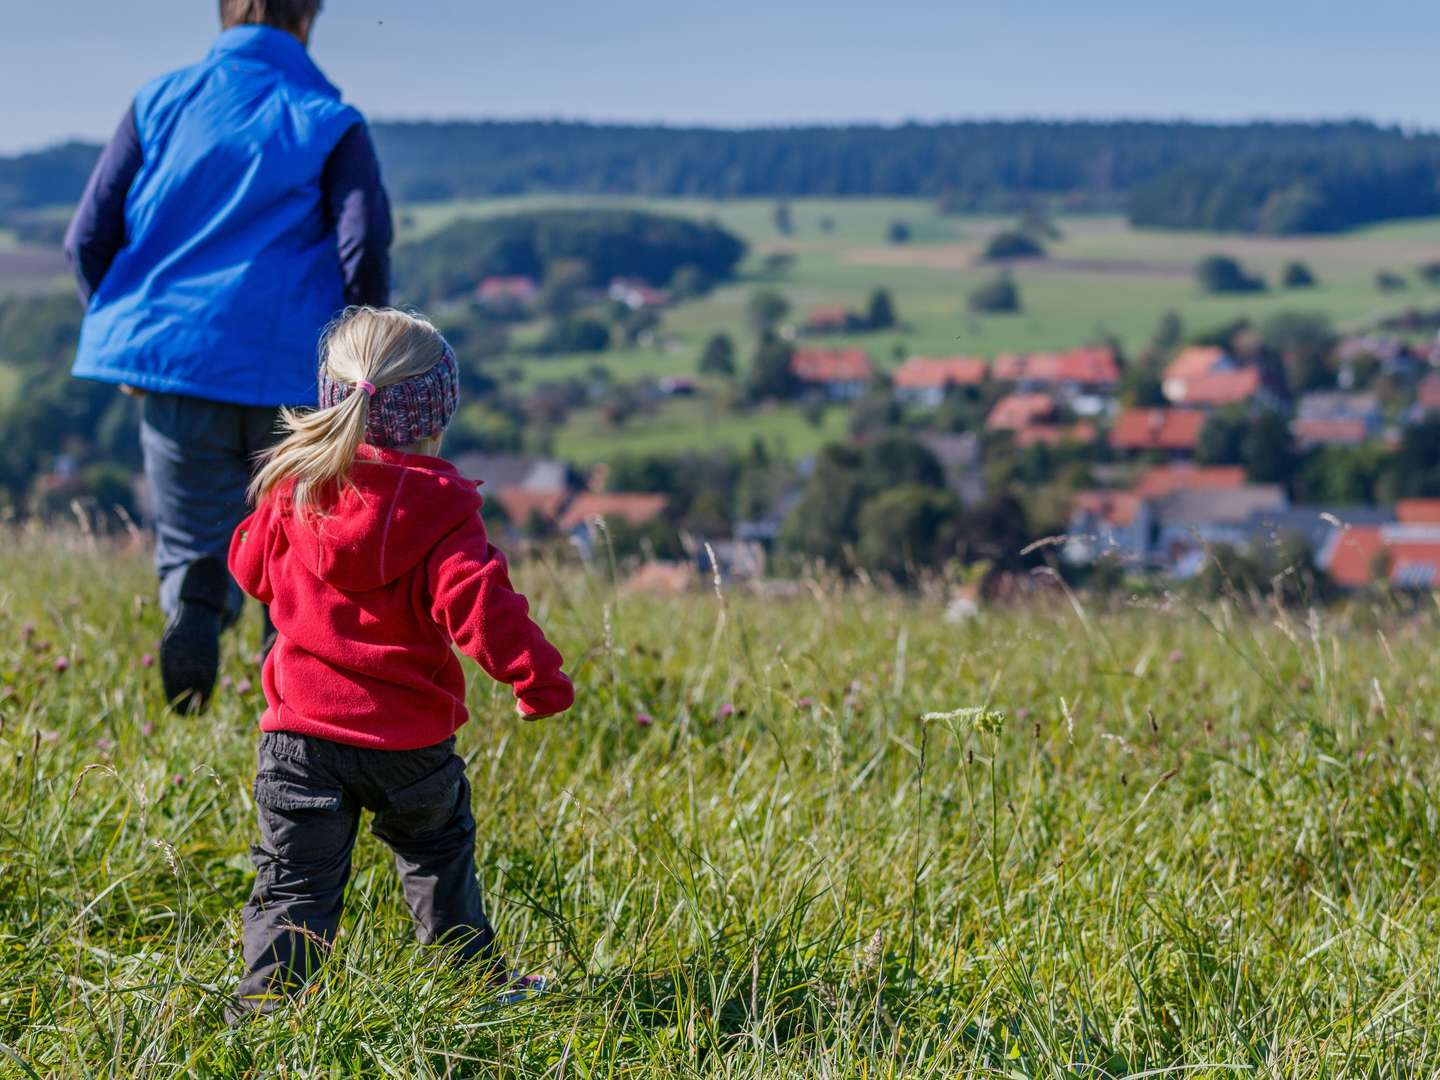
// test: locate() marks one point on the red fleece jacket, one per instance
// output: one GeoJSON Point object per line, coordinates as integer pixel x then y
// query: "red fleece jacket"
{"type": "Point", "coordinates": [368, 600]}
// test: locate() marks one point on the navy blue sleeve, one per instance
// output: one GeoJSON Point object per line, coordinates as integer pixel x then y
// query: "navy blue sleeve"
{"type": "Point", "coordinates": [97, 231]}
{"type": "Point", "coordinates": [360, 212]}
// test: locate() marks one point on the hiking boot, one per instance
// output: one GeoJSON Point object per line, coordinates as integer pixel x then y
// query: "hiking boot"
{"type": "Point", "coordinates": [190, 647]}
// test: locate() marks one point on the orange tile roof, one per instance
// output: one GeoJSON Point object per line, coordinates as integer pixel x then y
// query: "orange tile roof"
{"type": "Point", "coordinates": [1015, 411]}
{"type": "Point", "coordinates": [831, 365]}
{"type": "Point", "coordinates": [1115, 507]}
{"type": "Point", "coordinates": [924, 373]}
{"type": "Point", "coordinates": [1352, 562]}
{"type": "Point", "coordinates": [828, 318]}
{"type": "Point", "coordinates": [1165, 480]}
{"type": "Point", "coordinates": [1216, 388]}
{"type": "Point", "coordinates": [1407, 553]}
{"type": "Point", "coordinates": [1418, 511]}
{"type": "Point", "coordinates": [635, 508]}
{"type": "Point", "coordinates": [1195, 362]}
{"type": "Point", "coordinates": [1090, 366]}
{"type": "Point", "coordinates": [1008, 367]}
{"type": "Point", "coordinates": [520, 503]}
{"type": "Point", "coordinates": [1157, 429]}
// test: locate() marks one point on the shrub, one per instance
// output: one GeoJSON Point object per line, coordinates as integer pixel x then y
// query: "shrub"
{"type": "Point", "coordinates": [998, 296]}
{"type": "Point", "coordinates": [1221, 274]}
{"type": "Point", "coordinates": [1013, 245]}
{"type": "Point", "coordinates": [1297, 275]}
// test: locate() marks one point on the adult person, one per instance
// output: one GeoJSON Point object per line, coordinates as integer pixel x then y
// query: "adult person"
{"type": "Point", "coordinates": [236, 211]}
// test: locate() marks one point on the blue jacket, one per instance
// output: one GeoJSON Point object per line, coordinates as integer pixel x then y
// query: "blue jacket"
{"type": "Point", "coordinates": [252, 212]}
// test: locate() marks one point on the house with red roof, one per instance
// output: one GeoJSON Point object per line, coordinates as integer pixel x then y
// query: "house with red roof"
{"type": "Point", "coordinates": [1016, 411]}
{"type": "Point", "coordinates": [1170, 516]}
{"type": "Point", "coordinates": [1074, 371]}
{"type": "Point", "coordinates": [1108, 523]}
{"type": "Point", "coordinates": [1405, 553]}
{"type": "Point", "coordinates": [584, 515]}
{"type": "Point", "coordinates": [841, 373]}
{"type": "Point", "coordinates": [1207, 377]}
{"type": "Point", "coordinates": [923, 380]}
{"type": "Point", "coordinates": [1217, 389]}
{"type": "Point", "coordinates": [1337, 419]}
{"type": "Point", "coordinates": [830, 319]}
{"type": "Point", "coordinates": [1175, 432]}
{"type": "Point", "coordinates": [1162, 480]}
{"type": "Point", "coordinates": [510, 295]}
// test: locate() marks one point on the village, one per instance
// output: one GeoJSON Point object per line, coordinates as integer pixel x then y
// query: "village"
{"type": "Point", "coordinates": [1154, 501]}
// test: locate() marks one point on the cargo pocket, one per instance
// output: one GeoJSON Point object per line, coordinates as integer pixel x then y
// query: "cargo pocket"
{"type": "Point", "coordinates": [301, 823]}
{"type": "Point", "coordinates": [429, 802]}
{"type": "Point", "coordinates": [282, 793]}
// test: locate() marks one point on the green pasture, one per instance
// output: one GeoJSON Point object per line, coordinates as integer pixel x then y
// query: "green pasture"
{"type": "Point", "coordinates": [823, 832]}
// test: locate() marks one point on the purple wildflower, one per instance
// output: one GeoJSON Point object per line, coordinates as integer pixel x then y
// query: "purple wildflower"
{"type": "Point", "coordinates": [726, 711]}
{"type": "Point", "coordinates": [147, 660]}
{"type": "Point", "coordinates": [644, 719]}
{"type": "Point", "coordinates": [62, 663]}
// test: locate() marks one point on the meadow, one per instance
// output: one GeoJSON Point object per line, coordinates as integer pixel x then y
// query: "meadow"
{"type": "Point", "coordinates": [1102, 280]}
{"type": "Point", "coordinates": [822, 833]}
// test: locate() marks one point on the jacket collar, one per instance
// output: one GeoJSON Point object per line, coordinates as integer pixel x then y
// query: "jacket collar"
{"type": "Point", "coordinates": [273, 47]}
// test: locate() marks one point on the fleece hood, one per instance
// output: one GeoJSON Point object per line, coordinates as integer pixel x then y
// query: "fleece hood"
{"type": "Point", "coordinates": [388, 519]}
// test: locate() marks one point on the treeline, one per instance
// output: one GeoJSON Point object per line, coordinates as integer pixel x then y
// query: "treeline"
{"type": "Point", "coordinates": [965, 163]}
{"type": "Point", "coordinates": [973, 165]}
{"type": "Point", "coordinates": [600, 244]}
{"type": "Point", "coordinates": [1352, 184]}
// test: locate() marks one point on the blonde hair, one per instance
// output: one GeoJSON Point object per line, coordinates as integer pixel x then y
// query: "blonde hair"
{"type": "Point", "coordinates": [381, 346]}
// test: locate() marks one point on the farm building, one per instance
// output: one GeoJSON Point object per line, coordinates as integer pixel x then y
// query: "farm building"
{"type": "Point", "coordinates": [841, 373]}
{"type": "Point", "coordinates": [1172, 431]}
{"type": "Point", "coordinates": [923, 380]}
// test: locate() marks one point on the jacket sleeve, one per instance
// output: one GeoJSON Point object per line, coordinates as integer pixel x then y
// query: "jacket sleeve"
{"type": "Point", "coordinates": [359, 211]}
{"type": "Point", "coordinates": [249, 555]}
{"type": "Point", "coordinates": [489, 621]}
{"type": "Point", "coordinates": [97, 231]}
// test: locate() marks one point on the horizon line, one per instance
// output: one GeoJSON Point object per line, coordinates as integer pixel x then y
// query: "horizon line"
{"type": "Point", "coordinates": [1415, 130]}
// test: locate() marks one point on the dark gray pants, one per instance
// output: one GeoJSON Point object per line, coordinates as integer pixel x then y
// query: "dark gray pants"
{"type": "Point", "coordinates": [199, 457]}
{"type": "Point", "coordinates": [310, 792]}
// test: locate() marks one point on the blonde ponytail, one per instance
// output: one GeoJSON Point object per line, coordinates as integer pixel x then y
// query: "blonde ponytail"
{"type": "Point", "coordinates": [366, 349]}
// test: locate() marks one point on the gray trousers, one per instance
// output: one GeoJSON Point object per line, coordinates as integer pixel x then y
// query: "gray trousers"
{"type": "Point", "coordinates": [310, 793]}
{"type": "Point", "coordinates": [199, 458]}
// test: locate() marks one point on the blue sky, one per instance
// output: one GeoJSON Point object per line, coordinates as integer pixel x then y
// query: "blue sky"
{"type": "Point", "coordinates": [74, 63]}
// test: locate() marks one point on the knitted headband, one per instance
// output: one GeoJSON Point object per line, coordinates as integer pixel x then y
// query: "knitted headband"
{"type": "Point", "coordinates": [407, 411]}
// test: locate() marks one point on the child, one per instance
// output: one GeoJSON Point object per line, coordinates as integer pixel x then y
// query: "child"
{"type": "Point", "coordinates": [370, 552]}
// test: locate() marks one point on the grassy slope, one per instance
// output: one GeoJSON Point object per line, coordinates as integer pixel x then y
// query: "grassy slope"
{"type": "Point", "coordinates": [1103, 279]}
{"type": "Point", "coordinates": [1244, 886]}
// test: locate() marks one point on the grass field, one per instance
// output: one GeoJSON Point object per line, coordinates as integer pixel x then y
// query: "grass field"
{"type": "Point", "coordinates": [1103, 279]}
{"type": "Point", "coordinates": [1188, 843]}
